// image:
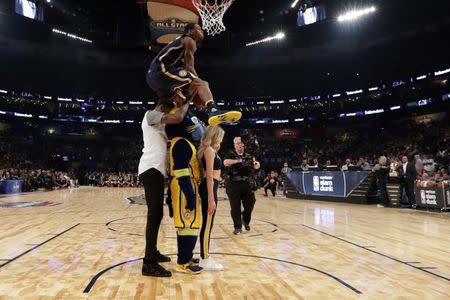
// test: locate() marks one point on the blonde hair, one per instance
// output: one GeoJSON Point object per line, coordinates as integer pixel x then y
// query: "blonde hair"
{"type": "Point", "coordinates": [212, 138]}
{"type": "Point", "coordinates": [382, 160]}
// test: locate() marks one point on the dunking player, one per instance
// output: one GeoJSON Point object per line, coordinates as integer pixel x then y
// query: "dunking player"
{"type": "Point", "coordinates": [172, 76]}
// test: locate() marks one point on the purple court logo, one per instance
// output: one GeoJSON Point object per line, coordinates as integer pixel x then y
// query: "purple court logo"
{"type": "Point", "coordinates": [25, 204]}
{"type": "Point", "coordinates": [316, 183]}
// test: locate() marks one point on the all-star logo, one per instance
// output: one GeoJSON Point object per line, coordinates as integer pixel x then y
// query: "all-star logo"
{"type": "Point", "coordinates": [169, 24]}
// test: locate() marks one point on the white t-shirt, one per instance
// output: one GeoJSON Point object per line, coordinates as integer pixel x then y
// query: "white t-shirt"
{"type": "Point", "coordinates": [155, 143]}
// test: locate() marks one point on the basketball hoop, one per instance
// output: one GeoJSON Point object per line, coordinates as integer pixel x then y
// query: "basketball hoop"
{"type": "Point", "coordinates": [212, 12]}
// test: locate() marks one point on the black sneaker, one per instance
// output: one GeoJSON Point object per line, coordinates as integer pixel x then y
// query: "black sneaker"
{"type": "Point", "coordinates": [246, 226]}
{"type": "Point", "coordinates": [237, 231]}
{"type": "Point", "coordinates": [217, 116]}
{"type": "Point", "coordinates": [162, 258]}
{"type": "Point", "coordinates": [155, 270]}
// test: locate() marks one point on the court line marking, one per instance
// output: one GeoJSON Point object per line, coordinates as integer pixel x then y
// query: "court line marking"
{"type": "Point", "coordinates": [110, 223]}
{"type": "Point", "coordinates": [342, 282]}
{"type": "Point", "coordinates": [379, 253]}
{"type": "Point", "coordinates": [37, 246]}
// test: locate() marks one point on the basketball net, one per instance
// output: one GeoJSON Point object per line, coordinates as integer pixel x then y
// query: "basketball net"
{"type": "Point", "coordinates": [212, 12]}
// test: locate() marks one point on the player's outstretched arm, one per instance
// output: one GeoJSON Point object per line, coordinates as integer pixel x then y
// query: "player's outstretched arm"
{"type": "Point", "coordinates": [189, 49]}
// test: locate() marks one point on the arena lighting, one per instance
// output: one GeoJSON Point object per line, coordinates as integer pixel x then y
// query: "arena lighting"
{"type": "Point", "coordinates": [43, 117]}
{"type": "Point", "coordinates": [48, 97]}
{"type": "Point", "coordinates": [292, 100]}
{"type": "Point", "coordinates": [64, 99]}
{"type": "Point", "coordinates": [23, 115]}
{"type": "Point", "coordinates": [278, 36]}
{"type": "Point", "coordinates": [373, 89]}
{"type": "Point", "coordinates": [421, 77]}
{"type": "Point", "coordinates": [91, 120]}
{"type": "Point", "coordinates": [73, 36]}
{"type": "Point", "coordinates": [112, 121]}
{"type": "Point", "coordinates": [336, 95]}
{"type": "Point", "coordinates": [220, 103]}
{"type": "Point", "coordinates": [80, 100]}
{"type": "Point", "coordinates": [3, 92]}
{"type": "Point", "coordinates": [260, 102]}
{"type": "Point", "coordinates": [119, 102]}
{"type": "Point", "coordinates": [151, 102]}
{"type": "Point", "coordinates": [277, 102]}
{"type": "Point", "coordinates": [299, 120]}
{"type": "Point", "coordinates": [354, 92]}
{"type": "Point", "coordinates": [395, 107]}
{"type": "Point", "coordinates": [129, 121]}
{"type": "Point", "coordinates": [375, 111]}
{"type": "Point", "coordinates": [441, 72]}
{"type": "Point", "coordinates": [260, 122]}
{"type": "Point", "coordinates": [2, 112]}
{"type": "Point", "coordinates": [355, 14]}
{"type": "Point", "coordinates": [135, 102]}
{"type": "Point", "coordinates": [294, 3]}
{"type": "Point", "coordinates": [279, 121]}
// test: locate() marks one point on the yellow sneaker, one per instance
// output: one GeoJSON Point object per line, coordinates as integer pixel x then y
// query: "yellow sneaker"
{"type": "Point", "coordinates": [218, 117]}
{"type": "Point", "coordinates": [189, 268]}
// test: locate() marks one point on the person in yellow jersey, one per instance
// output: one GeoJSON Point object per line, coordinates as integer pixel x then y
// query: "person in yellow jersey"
{"type": "Point", "coordinates": [211, 164]}
{"type": "Point", "coordinates": [184, 199]}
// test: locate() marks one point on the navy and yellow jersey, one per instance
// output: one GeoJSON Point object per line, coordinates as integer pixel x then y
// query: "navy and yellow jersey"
{"type": "Point", "coordinates": [190, 128]}
{"type": "Point", "coordinates": [167, 73]}
{"type": "Point", "coordinates": [171, 55]}
{"type": "Point", "coordinates": [184, 170]}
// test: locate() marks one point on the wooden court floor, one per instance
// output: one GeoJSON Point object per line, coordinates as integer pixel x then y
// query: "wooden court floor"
{"type": "Point", "coordinates": [88, 241]}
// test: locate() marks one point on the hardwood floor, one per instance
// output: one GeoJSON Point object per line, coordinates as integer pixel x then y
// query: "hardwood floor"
{"type": "Point", "coordinates": [295, 250]}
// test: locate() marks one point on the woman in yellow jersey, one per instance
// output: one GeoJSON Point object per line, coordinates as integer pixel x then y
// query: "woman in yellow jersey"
{"type": "Point", "coordinates": [211, 164]}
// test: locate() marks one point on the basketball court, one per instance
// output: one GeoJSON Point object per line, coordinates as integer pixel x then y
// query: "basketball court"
{"type": "Point", "coordinates": [88, 243]}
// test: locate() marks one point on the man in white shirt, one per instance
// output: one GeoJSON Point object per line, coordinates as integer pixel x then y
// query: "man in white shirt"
{"type": "Point", "coordinates": [152, 171]}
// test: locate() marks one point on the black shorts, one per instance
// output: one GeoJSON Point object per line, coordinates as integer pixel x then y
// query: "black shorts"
{"type": "Point", "coordinates": [166, 80]}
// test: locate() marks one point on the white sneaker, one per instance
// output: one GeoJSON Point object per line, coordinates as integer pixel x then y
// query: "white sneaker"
{"type": "Point", "coordinates": [210, 264]}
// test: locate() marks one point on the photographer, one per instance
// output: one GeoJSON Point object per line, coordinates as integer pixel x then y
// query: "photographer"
{"type": "Point", "coordinates": [239, 186]}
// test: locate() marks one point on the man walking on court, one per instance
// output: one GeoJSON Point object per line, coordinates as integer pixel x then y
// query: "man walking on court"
{"type": "Point", "coordinates": [238, 186]}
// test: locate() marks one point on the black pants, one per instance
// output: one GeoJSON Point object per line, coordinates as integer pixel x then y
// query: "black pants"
{"type": "Point", "coordinates": [240, 191]}
{"type": "Point", "coordinates": [382, 191]}
{"type": "Point", "coordinates": [271, 188]}
{"type": "Point", "coordinates": [409, 191]}
{"type": "Point", "coordinates": [207, 219]}
{"type": "Point", "coordinates": [153, 182]}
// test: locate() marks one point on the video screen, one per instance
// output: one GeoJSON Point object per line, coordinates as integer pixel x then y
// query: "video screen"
{"type": "Point", "coordinates": [311, 15]}
{"type": "Point", "coordinates": [32, 9]}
